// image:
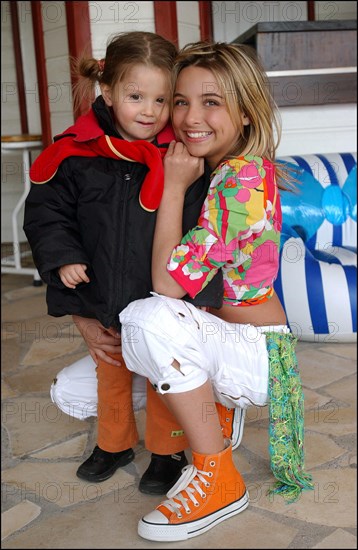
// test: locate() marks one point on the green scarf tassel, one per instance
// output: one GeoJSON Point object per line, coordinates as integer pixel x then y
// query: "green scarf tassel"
{"type": "Point", "coordinates": [286, 409]}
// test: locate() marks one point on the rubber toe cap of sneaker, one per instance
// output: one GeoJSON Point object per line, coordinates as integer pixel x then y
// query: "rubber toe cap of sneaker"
{"type": "Point", "coordinates": [156, 517]}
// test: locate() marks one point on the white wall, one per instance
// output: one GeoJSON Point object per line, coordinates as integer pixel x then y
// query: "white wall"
{"type": "Point", "coordinates": [110, 18]}
{"type": "Point", "coordinates": [188, 22]}
{"type": "Point", "coordinates": [323, 129]}
{"type": "Point", "coordinates": [335, 10]}
{"type": "Point", "coordinates": [57, 65]}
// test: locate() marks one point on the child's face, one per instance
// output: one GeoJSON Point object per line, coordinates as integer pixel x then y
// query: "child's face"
{"type": "Point", "coordinates": [200, 117]}
{"type": "Point", "coordinates": [140, 102]}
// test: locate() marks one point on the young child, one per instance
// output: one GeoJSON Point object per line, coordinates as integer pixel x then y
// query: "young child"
{"type": "Point", "coordinates": [242, 353]}
{"type": "Point", "coordinates": [89, 216]}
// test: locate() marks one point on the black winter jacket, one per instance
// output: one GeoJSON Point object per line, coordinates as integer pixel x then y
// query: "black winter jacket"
{"type": "Point", "coordinates": [89, 213]}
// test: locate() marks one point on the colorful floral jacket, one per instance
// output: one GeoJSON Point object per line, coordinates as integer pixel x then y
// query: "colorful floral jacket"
{"type": "Point", "coordinates": [238, 232]}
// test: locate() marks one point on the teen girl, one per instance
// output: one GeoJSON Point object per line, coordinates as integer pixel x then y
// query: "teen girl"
{"type": "Point", "coordinates": [242, 353]}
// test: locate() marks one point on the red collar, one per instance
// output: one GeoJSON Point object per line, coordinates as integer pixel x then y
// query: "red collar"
{"type": "Point", "coordinates": [85, 138]}
{"type": "Point", "coordinates": [86, 127]}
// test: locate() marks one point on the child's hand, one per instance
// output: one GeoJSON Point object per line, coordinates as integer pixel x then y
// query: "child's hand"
{"type": "Point", "coordinates": [181, 169]}
{"type": "Point", "coordinates": [73, 274]}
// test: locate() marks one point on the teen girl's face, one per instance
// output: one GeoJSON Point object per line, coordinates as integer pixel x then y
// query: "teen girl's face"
{"type": "Point", "coordinates": [140, 102]}
{"type": "Point", "coordinates": [200, 117]}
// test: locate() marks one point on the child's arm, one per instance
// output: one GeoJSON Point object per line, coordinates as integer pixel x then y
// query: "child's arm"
{"type": "Point", "coordinates": [51, 225]}
{"type": "Point", "coordinates": [73, 274]}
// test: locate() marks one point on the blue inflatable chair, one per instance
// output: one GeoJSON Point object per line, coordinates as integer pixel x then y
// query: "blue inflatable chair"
{"type": "Point", "coordinates": [317, 281]}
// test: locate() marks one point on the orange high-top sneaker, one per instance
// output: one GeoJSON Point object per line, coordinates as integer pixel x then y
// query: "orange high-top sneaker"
{"type": "Point", "coordinates": [232, 423]}
{"type": "Point", "coordinates": [209, 491]}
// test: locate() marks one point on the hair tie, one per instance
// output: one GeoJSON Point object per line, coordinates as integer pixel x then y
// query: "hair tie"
{"type": "Point", "coordinates": [101, 65]}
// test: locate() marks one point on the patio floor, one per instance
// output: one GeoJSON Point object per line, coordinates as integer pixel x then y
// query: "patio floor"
{"type": "Point", "coordinates": [44, 504]}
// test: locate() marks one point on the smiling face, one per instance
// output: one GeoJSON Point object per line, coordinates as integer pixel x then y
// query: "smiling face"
{"type": "Point", "coordinates": [200, 116]}
{"type": "Point", "coordinates": [140, 102]}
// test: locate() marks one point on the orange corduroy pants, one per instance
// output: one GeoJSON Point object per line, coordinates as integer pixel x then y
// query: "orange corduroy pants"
{"type": "Point", "coordinates": [117, 429]}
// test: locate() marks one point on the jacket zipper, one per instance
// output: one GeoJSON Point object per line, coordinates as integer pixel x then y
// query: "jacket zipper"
{"type": "Point", "coordinates": [120, 293]}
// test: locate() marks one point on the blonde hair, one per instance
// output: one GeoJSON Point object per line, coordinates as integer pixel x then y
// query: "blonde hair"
{"type": "Point", "coordinates": [123, 51]}
{"type": "Point", "coordinates": [245, 86]}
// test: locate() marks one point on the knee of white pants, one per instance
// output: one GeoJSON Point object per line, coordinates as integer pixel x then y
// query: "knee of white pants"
{"type": "Point", "coordinates": [177, 383]}
{"type": "Point", "coordinates": [152, 357]}
{"type": "Point", "coordinates": [74, 390]}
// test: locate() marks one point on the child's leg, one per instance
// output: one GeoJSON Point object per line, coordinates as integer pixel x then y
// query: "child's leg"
{"type": "Point", "coordinates": [117, 428]}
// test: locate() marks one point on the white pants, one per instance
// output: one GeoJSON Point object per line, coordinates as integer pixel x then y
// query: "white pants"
{"type": "Point", "coordinates": [158, 330]}
{"type": "Point", "coordinates": [74, 389]}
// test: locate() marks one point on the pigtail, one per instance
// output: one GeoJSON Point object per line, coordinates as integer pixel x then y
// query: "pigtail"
{"type": "Point", "coordinates": [89, 72]}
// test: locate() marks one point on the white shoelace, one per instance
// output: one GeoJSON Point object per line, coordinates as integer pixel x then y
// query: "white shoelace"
{"type": "Point", "coordinates": [187, 478]}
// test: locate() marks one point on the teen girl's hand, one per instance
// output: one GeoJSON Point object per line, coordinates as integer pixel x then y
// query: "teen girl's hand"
{"type": "Point", "coordinates": [180, 168]}
{"type": "Point", "coordinates": [100, 340]}
{"type": "Point", "coordinates": [73, 274]}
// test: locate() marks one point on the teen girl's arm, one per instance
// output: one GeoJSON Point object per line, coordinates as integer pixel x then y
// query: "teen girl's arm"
{"type": "Point", "coordinates": [180, 171]}
{"type": "Point", "coordinates": [232, 212]}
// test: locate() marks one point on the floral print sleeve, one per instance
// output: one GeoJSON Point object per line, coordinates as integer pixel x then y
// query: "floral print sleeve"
{"type": "Point", "coordinates": [238, 231]}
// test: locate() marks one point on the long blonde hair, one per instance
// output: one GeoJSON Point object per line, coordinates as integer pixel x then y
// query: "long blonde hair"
{"type": "Point", "coordinates": [245, 86]}
{"type": "Point", "coordinates": [123, 51]}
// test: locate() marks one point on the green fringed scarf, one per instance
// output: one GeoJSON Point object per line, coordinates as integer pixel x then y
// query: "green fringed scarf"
{"type": "Point", "coordinates": [286, 409]}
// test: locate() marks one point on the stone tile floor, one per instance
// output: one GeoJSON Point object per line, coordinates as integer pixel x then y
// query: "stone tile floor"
{"type": "Point", "coordinates": [44, 505]}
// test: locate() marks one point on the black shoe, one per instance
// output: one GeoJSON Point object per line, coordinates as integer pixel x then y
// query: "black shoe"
{"type": "Point", "coordinates": [101, 465]}
{"type": "Point", "coordinates": [162, 472]}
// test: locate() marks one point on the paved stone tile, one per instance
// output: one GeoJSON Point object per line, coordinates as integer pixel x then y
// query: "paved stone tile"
{"type": "Point", "coordinates": [253, 414]}
{"type": "Point", "coordinates": [120, 512]}
{"type": "Point", "coordinates": [331, 419]}
{"type": "Point", "coordinates": [25, 293]}
{"type": "Point", "coordinates": [345, 389]}
{"type": "Point", "coordinates": [23, 309]}
{"type": "Point", "coordinates": [6, 391]}
{"type": "Point", "coordinates": [338, 539]}
{"type": "Point", "coordinates": [68, 449]}
{"type": "Point", "coordinates": [10, 355]}
{"type": "Point", "coordinates": [349, 351]}
{"type": "Point", "coordinates": [333, 501]}
{"type": "Point", "coordinates": [39, 377]}
{"type": "Point", "coordinates": [57, 482]}
{"type": "Point", "coordinates": [42, 351]}
{"type": "Point", "coordinates": [313, 399]}
{"type": "Point", "coordinates": [10, 281]}
{"type": "Point", "coordinates": [319, 369]}
{"type": "Point", "coordinates": [319, 449]}
{"type": "Point", "coordinates": [33, 422]}
{"type": "Point", "coordinates": [17, 517]}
